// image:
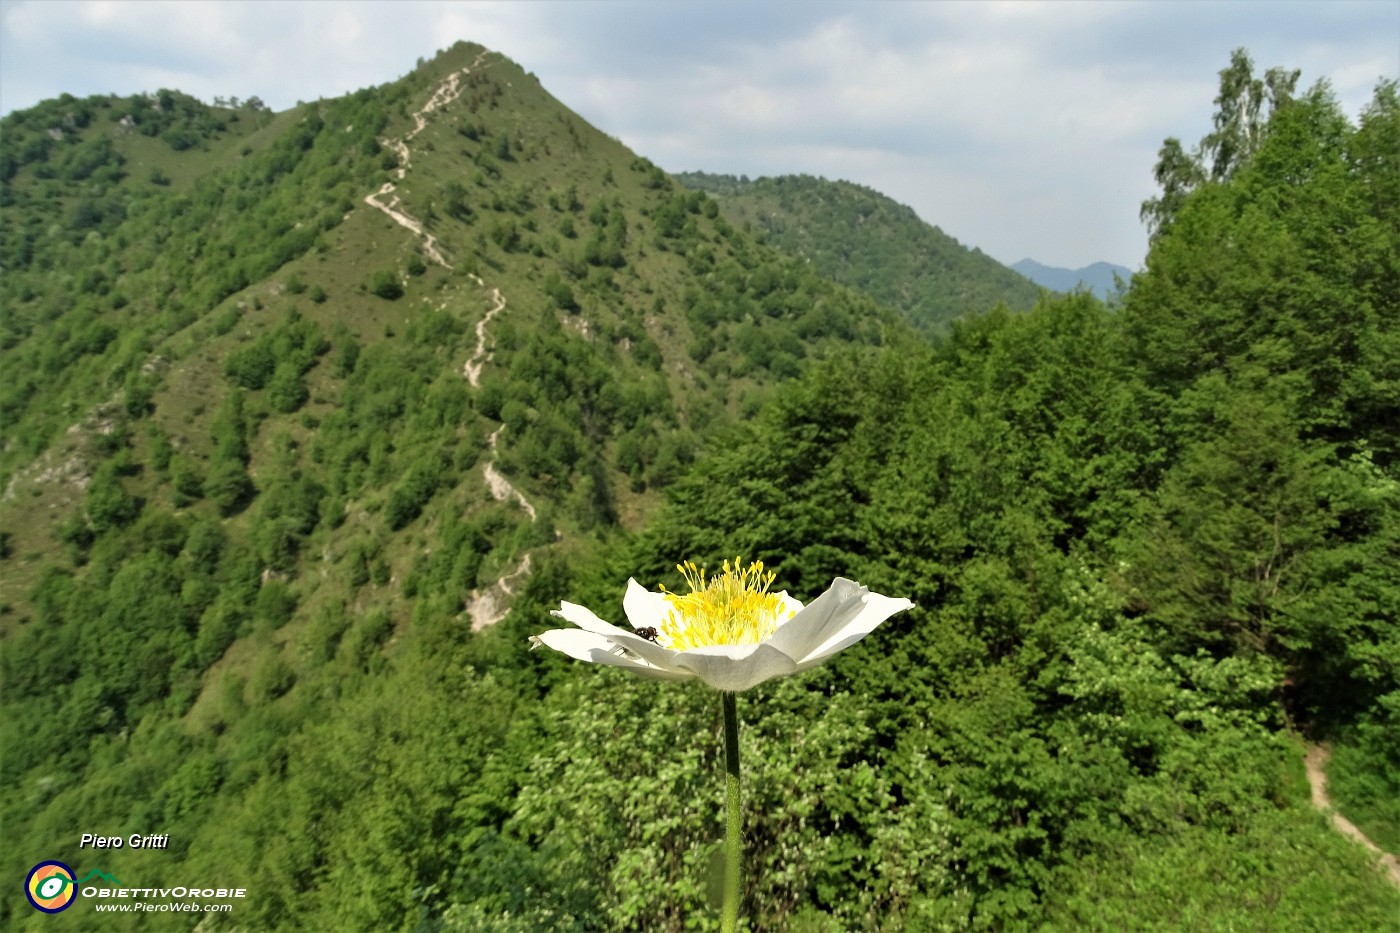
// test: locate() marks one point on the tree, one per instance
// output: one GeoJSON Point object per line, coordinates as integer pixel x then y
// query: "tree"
{"type": "Point", "coordinates": [1225, 561]}
{"type": "Point", "coordinates": [108, 504]}
{"type": "Point", "coordinates": [560, 293]}
{"type": "Point", "coordinates": [228, 485]}
{"type": "Point", "coordinates": [1283, 268]}
{"type": "Point", "coordinates": [185, 480]}
{"type": "Point", "coordinates": [1243, 108]}
{"type": "Point", "coordinates": [454, 201]}
{"type": "Point", "coordinates": [1178, 173]}
{"type": "Point", "coordinates": [287, 391]}
{"type": "Point", "coordinates": [252, 366]}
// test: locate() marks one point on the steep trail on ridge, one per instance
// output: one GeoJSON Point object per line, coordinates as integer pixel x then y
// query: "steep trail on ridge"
{"type": "Point", "coordinates": [500, 487]}
{"type": "Point", "coordinates": [448, 91]}
{"type": "Point", "coordinates": [485, 606]}
{"type": "Point", "coordinates": [1316, 764]}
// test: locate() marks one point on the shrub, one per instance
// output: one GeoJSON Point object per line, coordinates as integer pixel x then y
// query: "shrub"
{"type": "Point", "coordinates": [386, 285]}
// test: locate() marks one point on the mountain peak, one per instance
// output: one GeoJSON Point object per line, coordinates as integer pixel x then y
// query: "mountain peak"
{"type": "Point", "coordinates": [1098, 277]}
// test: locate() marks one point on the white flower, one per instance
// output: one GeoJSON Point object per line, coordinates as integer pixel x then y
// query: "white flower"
{"type": "Point", "coordinates": [729, 631]}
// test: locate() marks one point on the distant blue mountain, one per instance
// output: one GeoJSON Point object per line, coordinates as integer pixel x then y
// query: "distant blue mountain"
{"type": "Point", "coordinates": [1098, 278]}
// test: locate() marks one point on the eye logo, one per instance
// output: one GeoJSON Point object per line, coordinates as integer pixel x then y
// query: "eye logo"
{"type": "Point", "coordinates": [50, 887]}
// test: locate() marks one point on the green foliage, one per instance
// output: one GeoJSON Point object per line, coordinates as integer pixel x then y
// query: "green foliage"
{"type": "Point", "coordinates": [251, 368]}
{"type": "Point", "coordinates": [237, 220]}
{"type": "Point", "coordinates": [644, 800]}
{"type": "Point", "coordinates": [409, 497]}
{"type": "Point", "coordinates": [1204, 514]}
{"type": "Point", "coordinates": [1275, 389]}
{"type": "Point", "coordinates": [277, 360]}
{"type": "Point", "coordinates": [454, 201]}
{"type": "Point", "coordinates": [286, 391]}
{"type": "Point", "coordinates": [271, 679]}
{"type": "Point", "coordinates": [1364, 773]}
{"type": "Point", "coordinates": [108, 504]}
{"type": "Point", "coordinates": [560, 293]}
{"type": "Point", "coordinates": [1198, 879]}
{"type": "Point", "coordinates": [185, 482]}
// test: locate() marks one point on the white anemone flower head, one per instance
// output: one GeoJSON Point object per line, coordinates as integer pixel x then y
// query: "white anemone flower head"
{"type": "Point", "coordinates": [729, 630]}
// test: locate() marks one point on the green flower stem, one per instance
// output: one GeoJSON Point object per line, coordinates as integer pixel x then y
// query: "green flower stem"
{"type": "Point", "coordinates": [730, 916]}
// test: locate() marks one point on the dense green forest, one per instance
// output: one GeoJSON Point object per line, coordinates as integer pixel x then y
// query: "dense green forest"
{"type": "Point", "coordinates": [251, 421]}
{"type": "Point", "coordinates": [861, 238]}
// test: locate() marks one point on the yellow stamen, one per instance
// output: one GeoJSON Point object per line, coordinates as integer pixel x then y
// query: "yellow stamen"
{"type": "Point", "coordinates": [730, 608]}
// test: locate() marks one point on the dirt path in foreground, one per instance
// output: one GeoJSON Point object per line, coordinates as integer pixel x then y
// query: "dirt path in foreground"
{"type": "Point", "coordinates": [1316, 764]}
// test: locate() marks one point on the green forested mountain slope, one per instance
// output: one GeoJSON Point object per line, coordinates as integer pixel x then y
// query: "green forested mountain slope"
{"type": "Point", "coordinates": [248, 514]}
{"type": "Point", "coordinates": [280, 390]}
{"type": "Point", "coordinates": [866, 240]}
{"type": "Point", "coordinates": [635, 314]}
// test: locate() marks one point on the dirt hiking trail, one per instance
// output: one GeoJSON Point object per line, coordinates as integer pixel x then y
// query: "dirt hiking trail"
{"type": "Point", "coordinates": [446, 93]}
{"type": "Point", "coordinates": [488, 606]}
{"type": "Point", "coordinates": [1316, 764]}
{"type": "Point", "coordinates": [472, 368]}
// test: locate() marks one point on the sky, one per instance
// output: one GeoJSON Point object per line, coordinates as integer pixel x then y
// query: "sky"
{"type": "Point", "coordinates": [1026, 129]}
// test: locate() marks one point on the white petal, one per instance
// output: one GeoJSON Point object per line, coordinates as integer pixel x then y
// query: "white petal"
{"type": "Point", "coordinates": [585, 619]}
{"type": "Point", "coordinates": [733, 668]}
{"type": "Point", "coordinates": [875, 609]}
{"type": "Point", "coordinates": [590, 646]}
{"type": "Point", "coordinates": [821, 619]}
{"type": "Point", "coordinates": [644, 608]}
